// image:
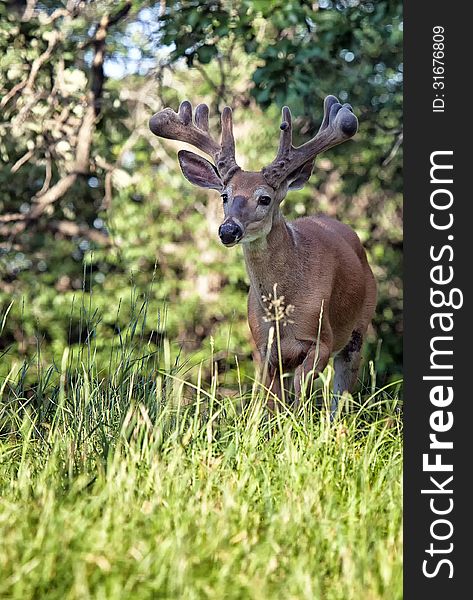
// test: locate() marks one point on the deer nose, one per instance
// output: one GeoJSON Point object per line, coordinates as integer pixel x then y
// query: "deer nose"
{"type": "Point", "coordinates": [230, 232]}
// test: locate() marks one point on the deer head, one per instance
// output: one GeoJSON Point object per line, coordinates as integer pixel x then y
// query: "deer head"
{"type": "Point", "coordinates": [251, 199]}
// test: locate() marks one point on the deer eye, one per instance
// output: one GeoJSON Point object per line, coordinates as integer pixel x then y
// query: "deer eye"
{"type": "Point", "coordinates": [224, 198]}
{"type": "Point", "coordinates": [264, 200]}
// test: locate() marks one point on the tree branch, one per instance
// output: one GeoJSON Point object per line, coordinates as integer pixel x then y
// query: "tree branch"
{"type": "Point", "coordinates": [71, 229]}
{"type": "Point", "coordinates": [38, 62]}
{"type": "Point", "coordinates": [394, 149]}
{"type": "Point", "coordinates": [48, 174]}
{"type": "Point", "coordinates": [29, 10]}
{"type": "Point", "coordinates": [21, 161]}
{"type": "Point", "coordinates": [86, 130]}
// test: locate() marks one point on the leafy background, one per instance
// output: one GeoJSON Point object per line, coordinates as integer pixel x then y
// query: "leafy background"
{"type": "Point", "coordinates": [96, 221]}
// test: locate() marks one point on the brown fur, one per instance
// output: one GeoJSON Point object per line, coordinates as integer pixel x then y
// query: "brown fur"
{"type": "Point", "coordinates": [313, 260]}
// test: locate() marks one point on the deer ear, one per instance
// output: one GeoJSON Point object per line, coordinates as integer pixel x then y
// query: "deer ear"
{"type": "Point", "coordinates": [300, 177]}
{"type": "Point", "coordinates": [199, 171]}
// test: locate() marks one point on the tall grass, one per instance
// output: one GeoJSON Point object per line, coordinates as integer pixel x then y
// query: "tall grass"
{"type": "Point", "coordinates": [138, 480]}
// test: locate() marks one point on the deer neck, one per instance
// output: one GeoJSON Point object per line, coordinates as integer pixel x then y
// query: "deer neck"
{"type": "Point", "coordinates": [267, 258]}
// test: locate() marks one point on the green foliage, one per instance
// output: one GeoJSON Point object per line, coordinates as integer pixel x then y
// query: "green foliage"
{"type": "Point", "coordinates": [130, 229]}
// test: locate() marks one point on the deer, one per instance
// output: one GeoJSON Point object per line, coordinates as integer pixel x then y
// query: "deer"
{"type": "Point", "coordinates": [318, 263]}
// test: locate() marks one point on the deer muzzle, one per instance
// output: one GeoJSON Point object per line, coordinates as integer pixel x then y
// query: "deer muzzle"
{"type": "Point", "coordinates": [230, 232]}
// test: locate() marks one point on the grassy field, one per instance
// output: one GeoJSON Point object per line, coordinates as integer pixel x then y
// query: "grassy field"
{"type": "Point", "coordinates": [151, 484]}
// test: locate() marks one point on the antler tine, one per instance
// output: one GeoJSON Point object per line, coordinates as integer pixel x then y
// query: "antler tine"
{"type": "Point", "coordinates": [285, 137]}
{"type": "Point", "coordinates": [227, 140]}
{"type": "Point", "coordinates": [185, 112]}
{"type": "Point", "coordinates": [226, 163]}
{"type": "Point", "coordinates": [338, 125]}
{"type": "Point", "coordinates": [179, 126]}
{"type": "Point", "coordinates": [274, 171]}
{"type": "Point", "coordinates": [202, 117]}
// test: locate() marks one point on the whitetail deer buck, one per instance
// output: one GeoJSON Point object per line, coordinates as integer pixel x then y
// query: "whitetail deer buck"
{"type": "Point", "coordinates": [318, 263]}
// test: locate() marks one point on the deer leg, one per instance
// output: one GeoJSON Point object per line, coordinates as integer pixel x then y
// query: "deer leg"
{"type": "Point", "coordinates": [346, 364]}
{"type": "Point", "coordinates": [314, 363]}
{"type": "Point", "coordinates": [274, 386]}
